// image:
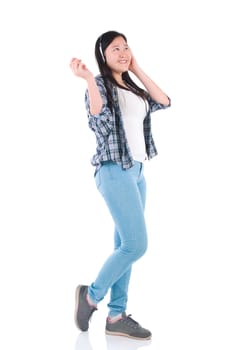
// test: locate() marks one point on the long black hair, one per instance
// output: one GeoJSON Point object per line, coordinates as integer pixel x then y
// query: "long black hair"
{"type": "Point", "coordinates": [100, 46]}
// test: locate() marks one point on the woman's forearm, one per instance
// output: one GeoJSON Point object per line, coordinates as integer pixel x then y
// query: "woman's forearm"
{"type": "Point", "coordinates": [95, 98]}
{"type": "Point", "coordinates": [156, 93]}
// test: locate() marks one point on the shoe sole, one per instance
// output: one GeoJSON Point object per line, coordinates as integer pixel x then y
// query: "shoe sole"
{"type": "Point", "coordinates": [126, 335]}
{"type": "Point", "coordinates": [77, 300]}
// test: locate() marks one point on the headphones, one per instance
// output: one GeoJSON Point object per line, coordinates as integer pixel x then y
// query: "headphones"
{"type": "Point", "coordinates": [100, 49]}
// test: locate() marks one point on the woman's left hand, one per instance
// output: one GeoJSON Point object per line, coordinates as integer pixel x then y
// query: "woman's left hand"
{"type": "Point", "coordinates": [133, 67]}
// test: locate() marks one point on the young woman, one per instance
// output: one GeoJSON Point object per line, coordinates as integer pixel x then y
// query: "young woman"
{"type": "Point", "coordinates": [119, 113]}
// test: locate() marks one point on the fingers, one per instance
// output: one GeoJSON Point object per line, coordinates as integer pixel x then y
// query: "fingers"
{"type": "Point", "coordinates": [77, 66]}
{"type": "Point", "coordinates": [74, 63]}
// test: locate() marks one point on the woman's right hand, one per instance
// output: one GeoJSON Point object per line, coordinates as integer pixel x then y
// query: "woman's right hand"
{"type": "Point", "coordinates": [80, 69]}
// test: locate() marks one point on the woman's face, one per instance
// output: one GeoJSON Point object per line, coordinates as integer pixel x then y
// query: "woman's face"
{"type": "Point", "coordinates": [118, 55]}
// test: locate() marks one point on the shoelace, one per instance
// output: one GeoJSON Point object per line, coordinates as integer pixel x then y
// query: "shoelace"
{"type": "Point", "coordinates": [130, 322]}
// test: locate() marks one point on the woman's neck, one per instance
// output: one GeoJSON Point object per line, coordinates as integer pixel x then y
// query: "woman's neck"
{"type": "Point", "coordinates": [119, 79]}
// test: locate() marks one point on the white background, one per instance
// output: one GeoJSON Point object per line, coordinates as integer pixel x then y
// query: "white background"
{"type": "Point", "coordinates": [191, 288]}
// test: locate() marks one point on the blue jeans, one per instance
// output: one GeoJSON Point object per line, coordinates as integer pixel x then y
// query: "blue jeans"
{"type": "Point", "coordinates": [124, 192]}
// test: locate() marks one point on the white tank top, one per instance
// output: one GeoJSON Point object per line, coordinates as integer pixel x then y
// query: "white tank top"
{"type": "Point", "coordinates": [133, 110]}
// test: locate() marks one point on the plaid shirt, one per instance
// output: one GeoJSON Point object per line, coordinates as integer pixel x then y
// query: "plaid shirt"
{"type": "Point", "coordinates": [109, 131]}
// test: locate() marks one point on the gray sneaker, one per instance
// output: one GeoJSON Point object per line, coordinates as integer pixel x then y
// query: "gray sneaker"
{"type": "Point", "coordinates": [127, 327]}
{"type": "Point", "coordinates": [83, 311]}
